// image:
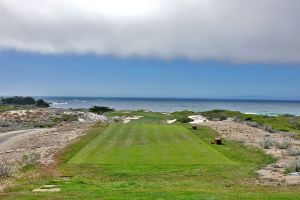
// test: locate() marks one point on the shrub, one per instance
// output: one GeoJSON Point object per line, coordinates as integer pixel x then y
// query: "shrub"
{"type": "Point", "coordinates": [184, 113]}
{"type": "Point", "coordinates": [100, 109]}
{"type": "Point", "coordinates": [290, 135]}
{"type": "Point", "coordinates": [237, 119]}
{"type": "Point", "coordinates": [252, 124]}
{"type": "Point", "coordinates": [248, 118]}
{"type": "Point", "coordinates": [293, 151]}
{"type": "Point", "coordinates": [285, 144]}
{"type": "Point", "coordinates": [30, 161]}
{"type": "Point", "coordinates": [42, 104]}
{"type": "Point", "coordinates": [294, 166]}
{"type": "Point", "coordinates": [184, 120]}
{"type": "Point", "coordinates": [5, 170]}
{"type": "Point", "coordinates": [266, 143]}
{"type": "Point", "coordinates": [268, 128]}
{"type": "Point", "coordinates": [215, 115]}
{"type": "Point", "coordinates": [284, 130]}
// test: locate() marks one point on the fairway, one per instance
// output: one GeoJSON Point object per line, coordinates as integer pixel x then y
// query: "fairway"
{"type": "Point", "coordinates": [143, 145]}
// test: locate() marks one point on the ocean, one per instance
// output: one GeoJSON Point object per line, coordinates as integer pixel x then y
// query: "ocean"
{"type": "Point", "coordinates": [263, 107]}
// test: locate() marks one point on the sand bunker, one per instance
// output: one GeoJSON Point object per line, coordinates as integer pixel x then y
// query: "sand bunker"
{"type": "Point", "coordinates": [130, 118]}
{"type": "Point", "coordinates": [197, 119]}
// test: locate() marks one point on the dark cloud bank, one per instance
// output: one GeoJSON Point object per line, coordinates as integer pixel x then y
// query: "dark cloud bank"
{"type": "Point", "coordinates": [266, 31]}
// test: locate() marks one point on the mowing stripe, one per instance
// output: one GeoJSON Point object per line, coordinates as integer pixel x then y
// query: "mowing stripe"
{"type": "Point", "coordinates": [136, 145]}
{"type": "Point", "coordinates": [92, 145]}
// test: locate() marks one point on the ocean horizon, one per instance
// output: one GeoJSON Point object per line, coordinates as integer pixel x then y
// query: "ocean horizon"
{"type": "Point", "coordinates": [271, 107]}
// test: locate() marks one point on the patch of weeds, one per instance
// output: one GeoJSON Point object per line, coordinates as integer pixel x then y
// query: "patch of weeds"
{"type": "Point", "coordinates": [284, 130]}
{"type": "Point", "coordinates": [293, 166]}
{"type": "Point", "coordinates": [290, 135]}
{"type": "Point", "coordinates": [266, 143]}
{"type": "Point", "coordinates": [268, 128]}
{"type": "Point", "coordinates": [293, 151]}
{"type": "Point", "coordinates": [30, 162]}
{"type": "Point", "coordinates": [6, 170]}
{"type": "Point", "coordinates": [252, 124]}
{"type": "Point", "coordinates": [285, 144]}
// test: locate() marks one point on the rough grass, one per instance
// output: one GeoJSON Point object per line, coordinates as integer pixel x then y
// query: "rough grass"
{"type": "Point", "coordinates": [284, 123]}
{"type": "Point", "coordinates": [4, 108]}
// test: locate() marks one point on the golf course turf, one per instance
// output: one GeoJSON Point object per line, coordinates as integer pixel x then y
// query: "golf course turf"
{"type": "Point", "coordinates": [155, 161]}
{"type": "Point", "coordinates": [132, 146]}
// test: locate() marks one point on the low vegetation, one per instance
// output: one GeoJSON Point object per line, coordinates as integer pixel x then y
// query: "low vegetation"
{"type": "Point", "coordinates": [266, 143]}
{"type": "Point", "coordinates": [6, 170]}
{"type": "Point", "coordinates": [285, 144]}
{"type": "Point", "coordinates": [293, 151]}
{"type": "Point", "coordinates": [4, 108]}
{"type": "Point", "coordinates": [282, 123]}
{"type": "Point", "coordinates": [294, 166]}
{"type": "Point", "coordinates": [100, 109]}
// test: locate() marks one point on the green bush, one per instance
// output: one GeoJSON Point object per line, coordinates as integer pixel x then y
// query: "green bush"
{"type": "Point", "coordinates": [184, 120]}
{"type": "Point", "coordinates": [42, 104]}
{"type": "Point", "coordinates": [100, 109]}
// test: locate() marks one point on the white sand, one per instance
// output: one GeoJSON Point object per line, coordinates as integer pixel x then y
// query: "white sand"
{"type": "Point", "coordinates": [171, 121]}
{"type": "Point", "coordinates": [129, 118]}
{"type": "Point", "coordinates": [197, 119]}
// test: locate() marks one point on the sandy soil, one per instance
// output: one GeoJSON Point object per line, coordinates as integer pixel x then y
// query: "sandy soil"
{"type": "Point", "coordinates": [43, 143]}
{"type": "Point", "coordinates": [273, 173]}
{"type": "Point", "coordinates": [197, 119]}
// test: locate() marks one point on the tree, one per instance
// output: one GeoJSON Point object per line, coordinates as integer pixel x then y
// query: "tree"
{"type": "Point", "coordinates": [100, 109]}
{"type": "Point", "coordinates": [42, 104]}
{"type": "Point", "coordinates": [19, 101]}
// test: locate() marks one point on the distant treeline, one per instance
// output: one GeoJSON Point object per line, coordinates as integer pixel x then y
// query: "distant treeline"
{"type": "Point", "coordinates": [25, 101]}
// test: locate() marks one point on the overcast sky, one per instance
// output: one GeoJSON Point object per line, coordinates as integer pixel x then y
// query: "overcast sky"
{"type": "Point", "coordinates": [150, 48]}
{"type": "Point", "coordinates": [247, 31]}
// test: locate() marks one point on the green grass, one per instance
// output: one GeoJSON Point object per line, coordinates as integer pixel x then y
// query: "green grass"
{"type": "Point", "coordinates": [148, 147]}
{"type": "Point", "coordinates": [156, 161]}
{"type": "Point", "coordinates": [4, 108]}
{"type": "Point", "coordinates": [148, 117]}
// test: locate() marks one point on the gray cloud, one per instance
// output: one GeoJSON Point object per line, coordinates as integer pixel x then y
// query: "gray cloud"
{"type": "Point", "coordinates": [265, 31]}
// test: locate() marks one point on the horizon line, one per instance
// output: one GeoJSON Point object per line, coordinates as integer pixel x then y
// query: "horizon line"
{"type": "Point", "coordinates": [262, 98]}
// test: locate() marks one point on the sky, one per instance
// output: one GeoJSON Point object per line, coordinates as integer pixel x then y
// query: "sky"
{"type": "Point", "coordinates": [150, 48]}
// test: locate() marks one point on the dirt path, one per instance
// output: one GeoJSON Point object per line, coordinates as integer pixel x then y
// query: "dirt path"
{"type": "Point", "coordinates": [11, 136]}
{"type": "Point", "coordinates": [271, 174]}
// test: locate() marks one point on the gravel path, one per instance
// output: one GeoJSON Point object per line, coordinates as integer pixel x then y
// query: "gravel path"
{"type": "Point", "coordinates": [11, 136]}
